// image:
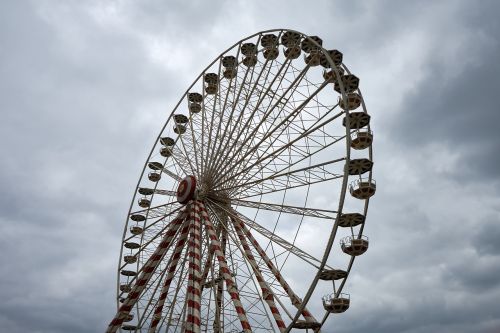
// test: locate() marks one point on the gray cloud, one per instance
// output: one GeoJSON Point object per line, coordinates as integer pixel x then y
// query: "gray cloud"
{"type": "Point", "coordinates": [85, 86]}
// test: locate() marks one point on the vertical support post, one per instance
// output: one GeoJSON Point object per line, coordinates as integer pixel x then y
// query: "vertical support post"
{"type": "Point", "coordinates": [193, 295]}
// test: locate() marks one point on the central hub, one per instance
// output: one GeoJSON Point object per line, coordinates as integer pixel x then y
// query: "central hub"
{"type": "Point", "coordinates": [186, 190]}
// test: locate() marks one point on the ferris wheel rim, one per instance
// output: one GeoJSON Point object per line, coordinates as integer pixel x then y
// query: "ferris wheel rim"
{"type": "Point", "coordinates": [345, 176]}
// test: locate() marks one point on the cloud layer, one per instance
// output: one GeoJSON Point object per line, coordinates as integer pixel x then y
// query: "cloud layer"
{"type": "Point", "coordinates": [84, 86]}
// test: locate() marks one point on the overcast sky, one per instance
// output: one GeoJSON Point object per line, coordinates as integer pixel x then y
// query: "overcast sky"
{"type": "Point", "coordinates": [86, 85]}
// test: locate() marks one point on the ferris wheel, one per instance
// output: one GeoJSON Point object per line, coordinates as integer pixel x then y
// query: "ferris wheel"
{"type": "Point", "coordinates": [250, 208]}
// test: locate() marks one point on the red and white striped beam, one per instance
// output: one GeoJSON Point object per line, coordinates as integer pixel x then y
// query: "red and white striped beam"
{"type": "Point", "coordinates": [231, 286]}
{"type": "Point", "coordinates": [296, 301]}
{"type": "Point", "coordinates": [193, 295]}
{"type": "Point", "coordinates": [181, 242]}
{"type": "Point", "coordinates": [267, 292]}
{"type": "Point", "coordinates": [146, 273]}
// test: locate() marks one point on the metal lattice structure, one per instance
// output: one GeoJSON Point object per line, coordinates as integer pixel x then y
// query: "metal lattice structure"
{"type": "Point", "coordinates": [264, 162]}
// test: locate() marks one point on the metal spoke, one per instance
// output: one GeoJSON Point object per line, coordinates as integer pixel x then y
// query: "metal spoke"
{"type": "Point", "coordinates": [302, 211]}
{"type": "Point", "coordinates": [311, 260]}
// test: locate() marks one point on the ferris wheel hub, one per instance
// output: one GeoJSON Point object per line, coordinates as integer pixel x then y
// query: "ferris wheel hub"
{"type": "Point", "coordinates": [186, 190]}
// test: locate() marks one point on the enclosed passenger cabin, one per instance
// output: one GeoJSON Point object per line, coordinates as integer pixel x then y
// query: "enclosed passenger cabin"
{"type": "Point", "coordinates": [128, 318]}
{"type": "Point", "coordinates": [330, 75]}
{"type": "Point", "coordinates": [194, 107]}
{"type": "Point", "coordinates": [357, 120]}
{"type": "Point", "coordinates": [167, 141]}
{"type": "Point", "coordinates": [332, 274]}
{"type": "Point", "coordinates": [352, 102]}
{"type": "Point", "coordinates": [144, 202]}
{"type": "Point", "coordinates": [271, 53]}
{"type": "Point", "coordinates": [336, 304]}
{"type": "Point", "coordinates": [230, 73]}
{"type": "Point", "coordinates": [129, 327]}
{"type": "Point", "coordinates": [350, 82]}
{"type": "Point", "coordinates": [145, 191]}
{"type": "Point", "coordinates": [292, 52]}
{"type": "Point", "coordinates": [250, 61]}
{"type": "Point", "coordinates": [180, 119]}
{"type": "Point", "coordinates": [270, 44]}
{"type": "Point", "coordinates": [313, 58]}
{"type": "Point", "coordinates": [126, 288]}
{"type": "Point", "coordinates": [361, 139]}
{"type": "Point", "coordinates": [154, 176]}
{"type": "Point", "coordinates": [125, 272]}
{"type": "Point", "coordinates": [132, 245]}
{"type": "Point", "coordinates": [359, 166]}
{"type": "Point", "coordinates": [179, 129]}
{"type": "Point", "coordinates": [229, 61]}
{"type": "Point", "coordinates": [135, 230]}
{"type": "Point", "coordinates": [363, 188]}
{"type": "Point", "coordinates": [130, 259]}
{"type": "Point", "coordinates": [354, 246]}
{"type": "Point", "coordinates": [212, 81]}
{"type": "Point", "coordinates": [349, 220]}
{"type": "Point", "coordinates": [306, 325]}
{"type": "Point", "coordinates": [195, 98]}
{"type": "Point", "coordinates": [336, 57]}
{"type": "Point", "coordinates": [248, 49]}
{"type": "Point", "coordinates": [166, 151]}
{"type": "Point", "coordinates": [290, 39]}
{"type": "Point", "coordinates": [155, 166]}
{"type": "Point", "coordinates": [137, 217]}
{"type": "Point", "coordinates": [307, 45]}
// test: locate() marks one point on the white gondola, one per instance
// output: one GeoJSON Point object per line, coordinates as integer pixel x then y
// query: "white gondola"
{"type": "Point", "coordinates": [230, 73]}
{"type": "Point", "coordinates": [132, 245]}
{"type": "Point", "coordinates": [363, 188]}
{"type": "Point", "coordinates": [129, 327]}
{"type": "Point", "coordinates": [313, 58]}
{"type": "Point", "coordinates": [144, 202]}
{"type": "Point", "coordinates": [292, 52]}
{"type": "Point", "coordinates": [336, 57]}
{"type": "Point", "coordinates": [126, 288]}
{"type": "Point", "coordinates": [331, 76]}
{"type": "Point", "coordinates": [308, 45]}
{"type": "Point", "coordinates": [250, 61]}
{"type": "Point", "coordinates": [125, 272]}
{"type": "Point", "coordinates": [167, 141]}
{"type": "Point", "coordinates": [357, 120]}
{"type": "Point", "coordinates": [332, 274]}
{"type": "Point", "coordinates": [137, 217]}
{"type": "Point", "coordinates": [195, 97]}
{"type": "Point", "coordinates": [359, 166]}
{"type": "Point", "coordinates": [361, 139]}
{"type": "Point", "coordinates": [353, 101]}
{"type": "Point", "coordinates": [336, 304]}
{"type": "Point", "coordinates": [194, 107]}
{"type": "Point", "coordinates": [166, 151]}
{"type": "Point", "coordinates": [349, 220]}
{"type": "Point", "coordinates": [350, 82]}
{"type": "Point", "coordinates": [154, 176]}
{"type": "Point", "coordinates": [136, 230]}
{"type": "Point", "coordinates": [130, 259]}
{"type": "Point", "coordinates": [179, 129]}
{"type": "Point", "coordinates": [354, 246]}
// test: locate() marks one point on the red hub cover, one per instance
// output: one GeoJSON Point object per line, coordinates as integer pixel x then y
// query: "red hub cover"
{"type": "Point", "coordinates": [186, 190]}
